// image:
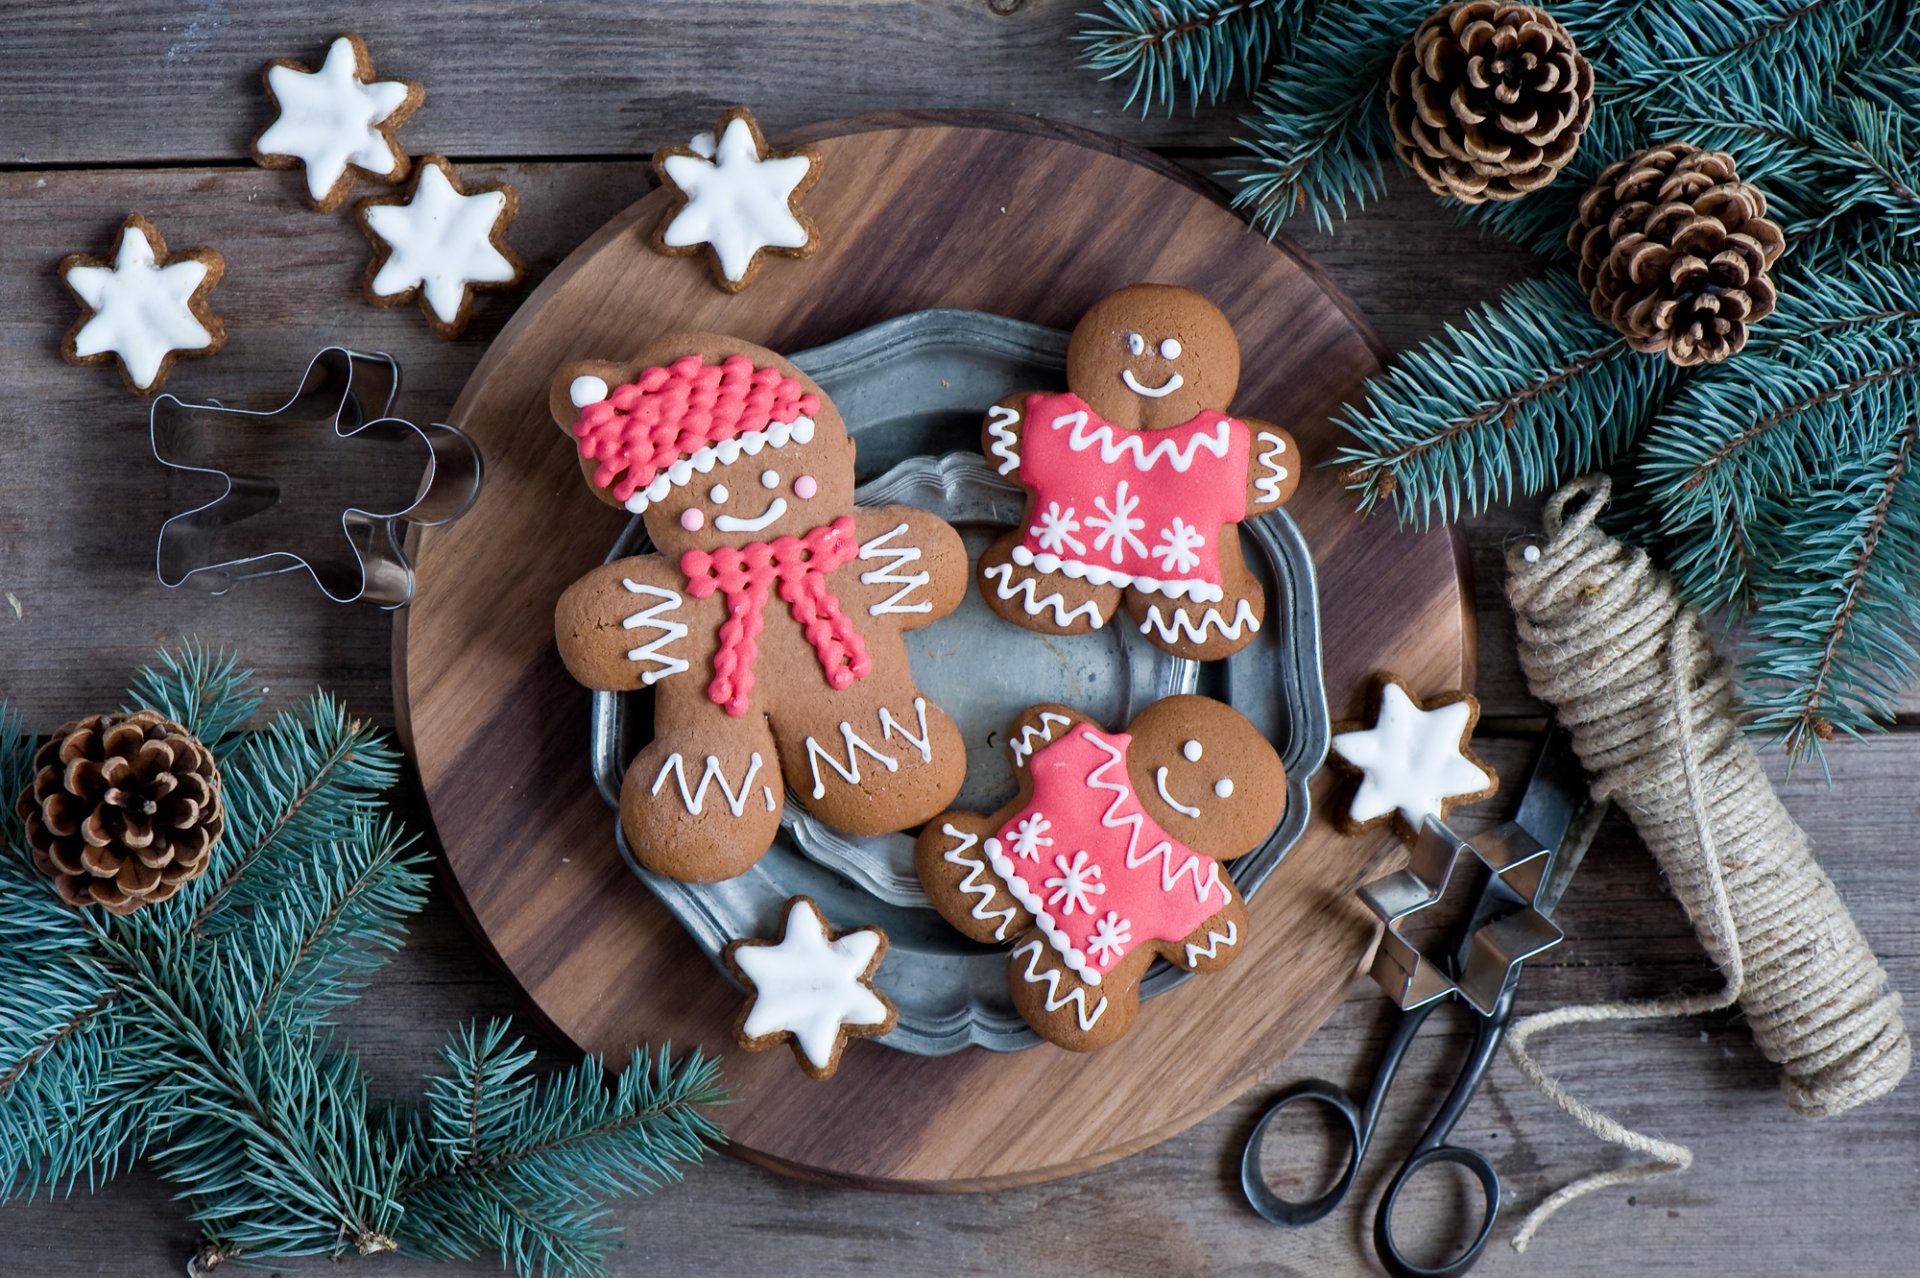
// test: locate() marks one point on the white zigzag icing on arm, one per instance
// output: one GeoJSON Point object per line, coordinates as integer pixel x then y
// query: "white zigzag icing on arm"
{"type": "Point", "coordinates": [972, 884]}
{"type": "Point", "coordinates": [1203, 887]}
{"type": "Point", "coordinates": [890, 574]}
{"type": "Point", "coordinates": [671, 632]}
{"type": "Point", "coordinates": [1056, 1000]}
{"type": "Point", "coordinates": [1268, 485]}
{"type": "Point", "coordinates": [850, 773]}
{"type": "Point", "coordinates": [696, 799]}
{"type": "Point", "coordinates": [1214, 941]}
{"type": "Point", "coordinates": [1006, 445]}
{"type": "Point", "coordinates": [1025, 744]}
{"type": "Point", "coordinates": [1036, 603]}
{"type": "Point", "coordinates": [1181, 628]}
{"type": "Point", "coordinates": [1079, 439]}
{"type": "Point", "coordinates": [890, 725]}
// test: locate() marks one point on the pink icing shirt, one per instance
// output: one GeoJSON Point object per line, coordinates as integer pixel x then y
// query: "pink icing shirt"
{"type": "Point", "coordinates": [1101, 876]}
{"type": "Point", "coordinates": [1143, 508]}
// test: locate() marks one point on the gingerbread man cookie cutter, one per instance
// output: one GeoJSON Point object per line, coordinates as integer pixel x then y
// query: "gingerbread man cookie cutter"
{"type": "Point", "coordinates": [278, 511]}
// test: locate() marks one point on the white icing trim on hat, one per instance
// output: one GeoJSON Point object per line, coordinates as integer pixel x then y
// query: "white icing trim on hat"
{"type": "Point", "coordinates": [702, 460]}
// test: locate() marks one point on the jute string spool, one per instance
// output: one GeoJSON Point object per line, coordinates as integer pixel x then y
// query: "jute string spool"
{"type": "Point", "coordinates": [1606, 641]}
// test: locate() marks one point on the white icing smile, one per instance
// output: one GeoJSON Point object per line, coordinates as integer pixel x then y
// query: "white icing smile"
{"type": "Point", "coordinates": [1160, 784]}
{"type": "Point", "coordinates": [1167, 387]}
{"type": "Point", "coordinates": [732, 524]}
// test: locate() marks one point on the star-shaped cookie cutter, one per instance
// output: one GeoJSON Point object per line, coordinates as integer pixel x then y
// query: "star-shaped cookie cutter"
{"type": "Point", "coordinates": [349, 394]}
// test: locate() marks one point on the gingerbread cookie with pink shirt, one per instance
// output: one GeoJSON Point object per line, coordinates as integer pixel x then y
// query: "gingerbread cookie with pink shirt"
{"type": "Point", "coordinates": [769, 624]}
{"type": "Point", "coordinates": [1109, 857]}
{"type": "Point", "coordinates": [1138, 479]}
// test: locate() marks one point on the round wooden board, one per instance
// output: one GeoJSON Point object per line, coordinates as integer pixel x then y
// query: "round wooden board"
{"type": "Point", "coordinates": [999, 214]}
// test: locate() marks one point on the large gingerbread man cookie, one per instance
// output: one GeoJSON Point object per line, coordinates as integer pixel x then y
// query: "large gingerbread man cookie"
{"type": "Point", "coordinates": [769, 624]}
{"type": "Point", "coordinates": [1109, 858]}
{"type": "Point", "coordinates": [1138, 480]}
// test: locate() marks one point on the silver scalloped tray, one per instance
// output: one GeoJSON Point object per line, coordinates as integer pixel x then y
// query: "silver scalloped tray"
{"type": "Point", "coordinates": [913, 391]}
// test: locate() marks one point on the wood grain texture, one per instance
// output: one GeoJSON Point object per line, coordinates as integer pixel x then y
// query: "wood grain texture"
{"type": "Point", "coordinates": [914, 213]}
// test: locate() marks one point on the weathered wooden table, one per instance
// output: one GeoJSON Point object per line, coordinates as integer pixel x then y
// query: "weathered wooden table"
{"type": "Point", "coordinates": [151, 107]}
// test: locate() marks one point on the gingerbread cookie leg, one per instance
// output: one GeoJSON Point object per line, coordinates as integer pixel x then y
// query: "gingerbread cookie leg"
{"type": "Point", "coordinates": [703, 806]}
{"type": "Point", "coordinates": [951, 860]}
{"type": "Point", "coordinates": [871, 759]}
{"type": "Point", "coordinates": [1205, 631]}
{"type": "Point", "coordinates": [1066, 1010]}
{"type": "Point", "coordinates": [1047, 602]}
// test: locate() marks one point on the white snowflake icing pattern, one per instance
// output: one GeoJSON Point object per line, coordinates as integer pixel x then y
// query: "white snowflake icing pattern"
{"type": "Point", "coordinates": [1031, 835]}
{"type": "Point", "coordinates": [1118, 526]}
{"type": "Point", "coordinates": [1055, 531]}
{"type": "Point", "coordinates": [1110, 937]}
{"type": "Point", "coordinates": [1178, 542]}
{"type": "Point", "coordinates": [1077, 884]}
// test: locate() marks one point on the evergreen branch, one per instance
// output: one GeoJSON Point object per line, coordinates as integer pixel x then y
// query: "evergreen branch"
{"type": "Point", "coordinates": [1716, 42]}
{"type": "Point", "coordinates": [1211, 47]}
{"type": "Point", "coordinates": [201, 690]}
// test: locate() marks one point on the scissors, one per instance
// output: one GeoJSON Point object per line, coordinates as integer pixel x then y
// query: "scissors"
{"type": "Point", "coordinates": [1557, 821]}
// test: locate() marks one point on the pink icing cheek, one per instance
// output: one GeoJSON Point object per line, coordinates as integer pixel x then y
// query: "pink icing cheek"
{"type": "Point", "coordinates": [692, 520]}
{"type": "Point", "coordinates": [805, 487]}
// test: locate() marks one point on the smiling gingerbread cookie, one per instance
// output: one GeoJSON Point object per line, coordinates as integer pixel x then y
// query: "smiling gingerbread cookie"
{"type": "Point", "coordinates": [769, 625]}
{"type": "Point", "coordinates": [1109, 858]}
{"type": "Point", "coordinates": [1138, 480]}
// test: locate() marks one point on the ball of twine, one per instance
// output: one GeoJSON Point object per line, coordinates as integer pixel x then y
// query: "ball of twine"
{"type": "Point", "coordinates": [1606, 641]}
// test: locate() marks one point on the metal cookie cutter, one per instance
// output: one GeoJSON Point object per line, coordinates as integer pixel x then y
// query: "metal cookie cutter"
{"type": "Point", "coordinates": [296, 488]}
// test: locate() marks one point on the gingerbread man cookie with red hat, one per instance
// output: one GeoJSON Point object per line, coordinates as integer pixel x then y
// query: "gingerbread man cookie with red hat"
{"type": "Point", "coordinates": [769, 623]}
{"type": "Point", "coordinates": [1138, 480]}
{"type": "Point", "coordinates": [1109, 858]}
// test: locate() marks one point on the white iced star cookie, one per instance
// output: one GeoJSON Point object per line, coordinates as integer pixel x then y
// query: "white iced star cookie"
{"type": "Point", "coordinates": [1414, 762]}
{"type": "Point", "coordinates": [438, 242]}
{"type": "Point", "coordinates": [144, 308]}
{"type": "Point", "coordinates": [336, 122]}
{"type": "Point", "coordinates": [812, 988]}
{"type": "Point", "coordinates": [736, 199]}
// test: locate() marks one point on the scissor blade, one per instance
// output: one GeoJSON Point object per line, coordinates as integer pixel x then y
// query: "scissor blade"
{"type": "Point", "coordinates": [1556, 789]}
{"type": "Point", "coordinates": [1567, 857]}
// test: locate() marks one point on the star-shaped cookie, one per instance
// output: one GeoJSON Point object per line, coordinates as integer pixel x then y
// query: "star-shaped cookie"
{"type": "Point", "coordinates": [1414, 762]}
{"type": "Point", "coordinates": [337, 121]}
{"type": "Point", "coordinates": [812, 988]}
{"type": "Point", "coordinates": [145, 308]}
{"type": "Point", "coordinates": [735, 198]}
{"type": "Point", "coordinates": [438, 242]}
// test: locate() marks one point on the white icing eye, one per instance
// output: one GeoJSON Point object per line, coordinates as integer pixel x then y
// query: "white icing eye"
{"type": "Point", "coordinates": [1170, 349]}
{"type": "Point", "coordinates": [1136, 344]}
{"type": "Point", "coordinates": [769, 479]}
{"type": "Point", "coordinates": [1224, 787]}
{"type": "Point", "coordinates": [1192, 751]}
{"type": "Point", "coordinates": [718, 494]}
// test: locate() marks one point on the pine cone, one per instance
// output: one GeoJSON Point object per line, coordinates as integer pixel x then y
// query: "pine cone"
{"type": "Point", "coordinates": [122, 810]}
{"type": "Point", "coordinates": [1674, 250]}
{"type": "Point", "coordinates": [1488, 100]}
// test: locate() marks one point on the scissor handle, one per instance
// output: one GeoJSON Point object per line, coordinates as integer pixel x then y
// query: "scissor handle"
{"type": "Point", "coordinates": [1260, 1195]}
{"type": "Point", "coordinates": [1391, 1258]}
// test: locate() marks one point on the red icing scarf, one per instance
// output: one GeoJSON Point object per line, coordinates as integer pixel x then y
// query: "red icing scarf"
{"type": "Point", "coordinates": [801, 566]}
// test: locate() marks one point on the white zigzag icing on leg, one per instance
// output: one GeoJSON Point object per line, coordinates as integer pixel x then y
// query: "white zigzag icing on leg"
{"type": "Point", "coordinates": [1036, 602]}
{"type": "Point", "coordinates": [670, 631]}
{"type": "Point", "coordinates": [1268, 485]}
{"type": "Point", "coordinates": [1024, 745]}
{"type": "Point", "coordinates": [1006, 445]}
{"type": "Point", "coordinates": [890, 725]}
{"type": "Point", "coordinates": [850, 772]}
{"type": "Point", "coordinates": [972, 885]}
{"type": "Point", "coordinates": [695, 799]}
{"type": "Point", "coordinates": [890, 574]}
{"type": "Point", "coordinates": [1180, 628]}
{"type": "Point", "coordinates": [1214, 941]}
{"type": "Point", "coordinates": [1056, 1000]}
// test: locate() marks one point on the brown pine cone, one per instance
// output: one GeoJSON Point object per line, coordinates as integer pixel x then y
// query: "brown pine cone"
{"type": "Point", "coordinates": [122, 810]}
{"type": "Point", "coordinates": [1674, 250]}
{"type": "Point", "coordinates": [1488, 100]}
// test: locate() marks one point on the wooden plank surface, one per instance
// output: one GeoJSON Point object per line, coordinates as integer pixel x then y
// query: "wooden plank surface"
{"type": "Point", "coordinates": [80, 502]}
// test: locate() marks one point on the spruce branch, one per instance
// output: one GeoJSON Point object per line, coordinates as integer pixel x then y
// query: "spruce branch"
{"type": "Point", "coordinates": [202, 690]}
{"type": "Point", "coordinates": [1209, 48]}
{"type": "Point", "coordinates": [1716, 42]}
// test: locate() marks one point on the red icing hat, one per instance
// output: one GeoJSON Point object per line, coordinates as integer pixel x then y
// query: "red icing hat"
{"type": "Point", "coordinates": [690, 410]}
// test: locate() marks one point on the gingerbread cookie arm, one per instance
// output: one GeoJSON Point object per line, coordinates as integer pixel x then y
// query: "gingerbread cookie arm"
{"type": "Point", "coordinates": [630, 624]}
{"type": "Point", "coordinates": [1001, 432]}
{"type": "Point", "coordinates": [1273, 468]}
{"type": "Point", "coordinates": [1218, 941]}
{"type": "Point", "coordinates": [911, 569]}
{"type": "Point", "coordinates": [1032, 729]}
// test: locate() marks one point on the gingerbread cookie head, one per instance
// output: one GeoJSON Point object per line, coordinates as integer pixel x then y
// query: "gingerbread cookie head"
{"type": "Point", "coordinates": [1206, 775]}
{"type": "Point", "coordinates": [1152, 356]}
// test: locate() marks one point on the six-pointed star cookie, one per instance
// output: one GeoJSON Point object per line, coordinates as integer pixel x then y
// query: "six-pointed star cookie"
{"type": "Point", "coordinates": [437, 242]}
{"type": "Point", "coordinates": [1414, 762]}
{"type": "Point", "coordinates": [145, 307]}
{"type": "Point", "coordinates": [813, 988]}
{"type": "Point", "coordinates": [337, 121]}
{"type": "Point", "coordinates": [735, 198]}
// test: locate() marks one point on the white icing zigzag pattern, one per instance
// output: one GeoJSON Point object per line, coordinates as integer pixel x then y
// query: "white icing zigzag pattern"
{"type": "Point", "coordinates": [977, 882]}
{"type": "Point", "coordinates": [1056, 1000]}
{"type": "Point", "coordinates": [890, 725]}
{"type": "Point", "coordinates": [1181, 459]}
{"type": "Point", "coordinates": [1180, 628]}
{"type": "Point", "coordinates": [1214, 941]}
{"type": "Point", "coordinates": [1006, 444]}
{"type": "Point", "coordinates": [1268, 485]}
{"type": "Point", "coordinates": [1037, 603]}
{"type": "Point", "coordinates": [890, 575]}
{"type": "Point", "coordinates": [696, 799]}
{"type": "Point", "coordinates": [1190, 868]}
{"type": "Point", "coordinates": [1025, 744]}
{"type": "Point", "coordinates": [850, 770]}
{"type": "Point", "coordinates": [671, 632]}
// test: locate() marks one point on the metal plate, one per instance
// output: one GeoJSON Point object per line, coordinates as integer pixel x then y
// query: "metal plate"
{"type": "Point", "coordinates": [913, 391]}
